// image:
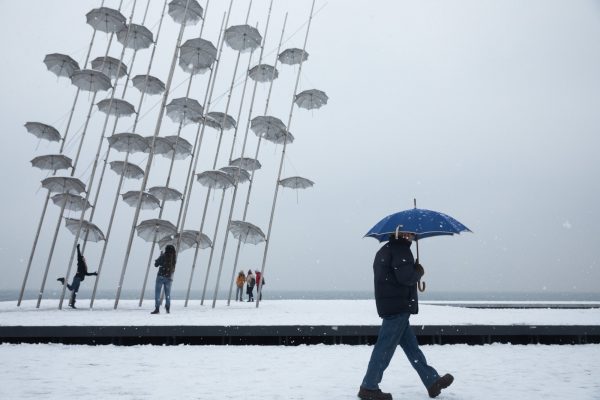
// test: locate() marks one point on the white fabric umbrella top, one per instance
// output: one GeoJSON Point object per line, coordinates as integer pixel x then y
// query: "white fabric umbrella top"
{"type": "Point", "coordinates": [292, 56]}
{"type": "Point", "coordinates": [130, 170]}
{"type": "Point", "coordinates": [189, 239]}
{"type": "Point", "coordinates": [72, 202]}
{"type": "Point", "coordinates": [90, 80]}
{"type": "Point", "coordinates": [187, 12]}
{"type": "Point", "coordinates": [164, 193]}
{"type": "Point", "coordinates": [296, 182]}
{"type": "Point", "coordinates": [149, 202]}
{"type": "Point", "coordinates": [63, 184]}
{"type": "Point", "coordinates": [117, 107]}
{"type": "Point", "coordinates": [215, 179]}
{"type": "Point", "coordinates": [106, 19]}
{"type": "Point", "coordinates": [148, 84]}
{"type": "Point", "coordinates": [61, 64]}
{"type": "Point", "coordinates": [52, 162]}
{"type": "Point", "coordinates": [249, 164]}
{"type": "Point", "coordinates": [155, 229]}
{"type": "Point", "coordinates": [197, 55]}
{"type": "Point", "coordinates": [128, 142]}
{"type": "Point", "coordinates": [311, 99]}
{"type": "Point", "coordinates": [263, 73]}
{"type": "Point", "coordinates": [243, 38]}
{"type": "Point", "coordinates": [109, 66]}
{"type": "Point", "coordinates": [246, 232]}
{"type": "Point", "coordinates": [135, 37]}
{"type": "Point", "coordinates": [88, 231]}
{"type": "Point", "coordinates": [43, 131]}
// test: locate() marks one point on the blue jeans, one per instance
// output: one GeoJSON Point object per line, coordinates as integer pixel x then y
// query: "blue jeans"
{"type": "Point", "coordinates": [160, 282]}
{"type": "Point", "coordinates": [74, 286]}
{"type": "Point", "coordinates": [395, 330]}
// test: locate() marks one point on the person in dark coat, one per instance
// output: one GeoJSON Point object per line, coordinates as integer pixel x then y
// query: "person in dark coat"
{"type": "Point", "coordinates": [164, 278]}
{"type": "Point", "coordinates": [80, 275]}
{"type": "Point", "coordinates": [396, 276]}
{"type": "Point", "coordinates": [250, 282]}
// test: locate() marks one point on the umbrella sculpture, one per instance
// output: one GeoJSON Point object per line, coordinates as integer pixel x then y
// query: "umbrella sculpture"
{"type": "Point", "coordinates": [149, 201]}
{"type": "Point", "coordinates": [219, 120]}
{"type": "Point", "coordinates": [182, 148]}
{"type": "Point", "coordinates": [43, 131]}
{"type": "Point", "coordinates": [116, 107]}
{"type": "Point", "coordinates": [189, 239]}
{"type": "Point", "coordinates": [110, 67]}
{"type": "Point", "coordinates": [164, 193]}
{"type": "Point", "coordinates": [155, 229]}
{"type": "Point", "coordinates": [185, 111]}
{"type": "Point", "coordinates": [246, 232]}
{"type": "Point", "coordinates": [249, 164]}
{"type": "Point", "coordinates": [243, 38]}
{"type": "Point", "coordinates": [197, 55]}
{"type": "Point", "coordinates": [215, 179]}
{"type": "Point", "coordinates": [72, 202]}
{"type": "Point", "coordinates": [311, 99]}
{"type": "Point", "coordinates": [128, 142]}
{"type": "Point", "coordinates": [53, 162]}
{"type": "Point", "coordinates": [61, 64]}
{"type": "Point", "coordinates": [293, 56]}
{"type": "Point", "coordinates": [106, 19]}
{"type": "Point", "coordinates": [263, 73]}
{"type": "Point", "coordinates": [296, 182]}
{"type": "Point", "coordinates": [88, 230]}
{"type": "Point", "coordinates": [152, 84]}
{"type": "Point", "coordinates": [165, 147]}
{"type": "Point", "coordinates": [128, 170]}
{"type": "Point", "coordinates": [239, 175]}
{"type": "Point", "coordinates": [420, 222]}
{"type": "Point", "coordinates": [268, 127]}
{"type": "Point", "coordinates": [90, 80]}
{"type": "Point", "coordinates": [63, 184]}
{"type": "Point", "coordinates": [135, 37]}
{"type": "Point", "coordinates": [187, 12]}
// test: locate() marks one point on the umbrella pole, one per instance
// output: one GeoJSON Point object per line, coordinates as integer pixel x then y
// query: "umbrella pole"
{"type": "Point", "coordinates": [96, 158]}
{"type": "Point", "coordinates": [262, 270]}
{"type": "Point", "coordinates": [60, 216]}
{"type": "Point", "coordinates": [420, 286]}
{"type": "Point", "coordinates": [212, 249]}
{"type": "Point", "coordinates": [150, 157]}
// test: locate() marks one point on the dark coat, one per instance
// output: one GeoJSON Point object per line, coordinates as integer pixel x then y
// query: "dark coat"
{"type": "Point", "coordinates": [82, 270]}
{"type": "Point", "coordinates": [396, 278]}
{"type": "Point", "coordinates": [166, 262]}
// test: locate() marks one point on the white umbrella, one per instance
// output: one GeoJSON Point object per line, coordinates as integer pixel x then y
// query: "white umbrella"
{"type": "Point", "coordinates": [155, 229]}
{"type": "Point", "coordinates": [88, 230]}
{"type": "Point", "coordinates": [149, 202]}
{"type": "Point", "coordinates": [43, 131]}
{"type": "Point", "coordinates": [52, 162]}
{"type": "Point", "coordinates": [246, 232]}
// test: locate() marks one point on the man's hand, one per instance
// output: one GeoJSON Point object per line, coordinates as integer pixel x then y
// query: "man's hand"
{"type": "Point", "coordinates": [419, 267]}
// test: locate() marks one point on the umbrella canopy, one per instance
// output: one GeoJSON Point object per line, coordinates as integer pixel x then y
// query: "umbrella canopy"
{"type": "Point", "coordinates": [43, 131]}
{"type": "Point", "coordinates": [128, 142]}
{"type": "Point", "coordinates": [155, 229]}
{"type": "Point", "coordinates": [109, 66]}
{"type": "Point", "coordinates": [61, 64]}
{"type": "Point", "coordinates": [139, 37]}
{"type": "Point", "coordinates": [182, 147]}
{"type": "Point", "coordinates": [242, 38]}
{"type": "Point", "coordinates": [246, 232]}
{"type": "Point", "coordinates": [267, 126]}
{"type": "Point", "coordinates": [215, 179]}
{"type": "Point", "coordinates": [106, 19]}
{"type": "Point", "coordinates": [219, 120]}
{"type": "Point", "coordinates": [90, 80]}
{"type": "Point", "coordinates": [292, 56]}
{"type": "Point", "coordinates": [197, 55]}
{"type": "Point", "coordinates": [185, 110]}
{"type": "Point", "coordinates": [189, 239]}
{"type": "Point", "coordinates": [149, 202]}
{"type": "Point", "coordinates": [311, 99]}
{"type": "Point", "coordinates": [148, 83]}
{"type": "Point", "coordinates": [423, 223]}
{"type": "Point", "coordinates": [278, 137]}
{"type": "Point", "coordinates": [186, 12]}
{"type": "Point", "coordinates": [238, 175]}
{"type": "Point", "coordinates": [88, 230]}
{"type": "Point", "coordinates": [249, 164]}
{"type": "Point", "coordinates": [296, 182]}
{"type": "Point", "coordinates": [165, 193]}
{"type": "Point", "coordinates": [128, 170]}
{"type": "Point", "coordinates": [263, 73]}
{"type": "Point", "coordinates": [72, 202]}
{"type": "Point", "coordinates": [63, 184]}
{"type": "Point", "coordinates": [53, 162]}
{"type": "Point", "coordinates": [116, 107]}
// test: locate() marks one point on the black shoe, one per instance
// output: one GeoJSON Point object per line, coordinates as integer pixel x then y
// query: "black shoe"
{"type": "Point", "coordinates": [168, 309]}
{"type": "Point", "coordinates": [156, 311]}
{"type": "Point", "coordinates": [72, 305]}
{"type": "Point", "coordinates": [61, 280]}
{"type": "Point", "coordinates": [367, 394]}
{"type": "Point", "coordinates": [442, 383]}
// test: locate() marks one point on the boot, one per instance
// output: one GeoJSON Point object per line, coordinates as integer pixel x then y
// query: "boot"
{"type": "Point", "coordinates": [156, 311]}
{"type": "Point", "coordinates": [377, 394]}
{"type": "Point", "coordinates": [72, 300]}
{"type": "Point", "coordinates": [442, 383]}
{"type": "Point", "coordinates": [168, 308]}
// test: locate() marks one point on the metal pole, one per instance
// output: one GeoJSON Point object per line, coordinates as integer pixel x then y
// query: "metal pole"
{"type": "Point", "coordinates": [151, 156]}
{"type": "Point", "coordinates": [262, 270]}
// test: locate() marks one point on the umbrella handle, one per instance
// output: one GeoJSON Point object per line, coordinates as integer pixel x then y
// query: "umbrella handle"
{"type": "Point", "coordinates": [421, 287]}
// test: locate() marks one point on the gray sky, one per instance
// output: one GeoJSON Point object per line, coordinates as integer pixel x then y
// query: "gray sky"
{"type": "Point", "coordinates": [484, 110]}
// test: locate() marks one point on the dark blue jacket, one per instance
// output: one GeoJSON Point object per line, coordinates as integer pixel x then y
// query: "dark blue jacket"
{"type": "Point", "coordinates": [396, 278]}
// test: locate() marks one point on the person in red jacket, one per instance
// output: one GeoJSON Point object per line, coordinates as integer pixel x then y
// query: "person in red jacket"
{"type": "Point", "coordinates": [260, 281]}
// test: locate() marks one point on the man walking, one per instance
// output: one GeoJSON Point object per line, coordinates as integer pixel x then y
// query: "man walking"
{"type": "Point", "coordinates": [396, 276]}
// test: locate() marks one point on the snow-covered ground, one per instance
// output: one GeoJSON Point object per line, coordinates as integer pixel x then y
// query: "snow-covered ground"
{"type": "Point", "coordinates": [306, 372]}
{"type": "Point", "coordinates": [277, 312]}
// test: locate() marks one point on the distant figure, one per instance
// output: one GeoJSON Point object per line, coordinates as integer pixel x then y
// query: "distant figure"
{"type": "Point", "coordinates": [260, 281]}
{"type": "Point", "coordinates": [396, 276]}
{"type": "Point", "coordinates": [82, 272]}
{"type": "Point", "coordinates": [164, 278]}
{"type": "Point", "coordinates": [250, 282]}
{"type": "Point", "coordinates": [239, 283]}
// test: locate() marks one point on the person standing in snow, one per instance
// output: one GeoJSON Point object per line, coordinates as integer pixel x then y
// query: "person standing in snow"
{"type": "Point", "coordinates": [164, 278]}
{"type": "Point", "coordinates": [250, 282]}
{"type": "Point", "coordinates": [396, 276]}
{"type": "Point", "coordinates": [82, 272]}
{"type": "Point", "coordinates": [260, 281]}
{"type": "Point", "coordinates": [239, 283]}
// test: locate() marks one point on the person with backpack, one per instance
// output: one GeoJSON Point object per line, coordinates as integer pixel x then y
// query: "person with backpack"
{"type": "Point", "coordinates": [164, 278]}
{"type": "Point", "coordinates": [82, 272]}
{"type": "Point", "coordinates": [250, 282]}
{"type": "Point", "coordinates": [239, 283]}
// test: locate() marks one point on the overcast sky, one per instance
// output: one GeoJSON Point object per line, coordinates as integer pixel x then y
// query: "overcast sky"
{"type": "Point", "coordinates": [484, 110]}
